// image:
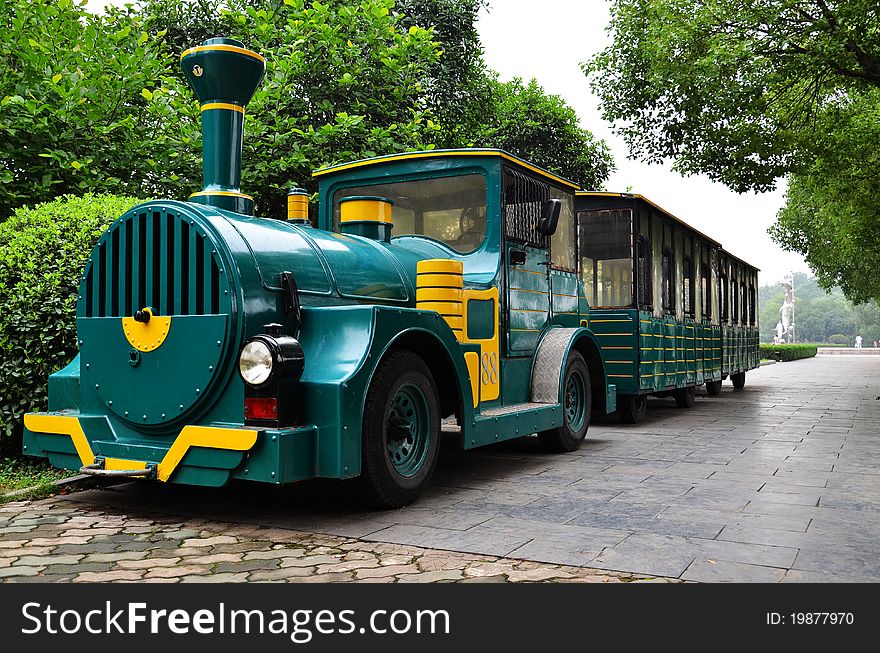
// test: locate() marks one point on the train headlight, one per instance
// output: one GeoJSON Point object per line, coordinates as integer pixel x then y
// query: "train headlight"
{"type": "Point", "coordinates": [271, 365]}
{"type": "Point", "coordinates": [255, 362]}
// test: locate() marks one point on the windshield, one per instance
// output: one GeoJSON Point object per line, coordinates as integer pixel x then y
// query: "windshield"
{"type": "Point", "coordinates": [449, 209]}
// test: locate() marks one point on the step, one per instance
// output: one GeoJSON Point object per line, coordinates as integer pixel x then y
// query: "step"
{"type": "Point", "coordinates": [513, 408]}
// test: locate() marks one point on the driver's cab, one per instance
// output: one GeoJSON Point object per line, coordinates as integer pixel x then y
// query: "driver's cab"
{"type": "Point", "coordinates": [509, 223]}
{"type": "Point", "coordinates": [449, 204]}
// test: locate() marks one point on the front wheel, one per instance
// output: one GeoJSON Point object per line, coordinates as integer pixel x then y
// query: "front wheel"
{"type": "Point", "coordinates": [401, 432]}
{"type": "Point", "coordinates": [713, 388]}
{"type": "Point", "coordinates": [632, 408]}
{"type": "Point", "coordinates": [738, 380]}
{"type": "Point", "coordinates": [576, 406]}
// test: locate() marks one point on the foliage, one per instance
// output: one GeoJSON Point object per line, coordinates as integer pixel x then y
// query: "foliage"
{"type": "Point", "coordinates": [343, 81]}
{"type": "Point", "coordinates": [819, 315]}
{"type": "Point", "coordinates": [16, 474]}
{"type": "Point", "coordinates": [832, 215]}
{"type": "Point", "coordinates": [732, 88]}
{"type": "Point", "coordinates": [458, 83]}
{"type": "Point", "coordinates": [542, 128]}
{"type": "Point", "coordinates": [42, 254]}
{"type": "Point", "coordinates": [83, 104]}
{"type": "Point", "coordinates": [748, 91]}
{"type": "Point", "coordinates": [838, 339]}
{"type": "Point", "coordinates": [785, 353]}
{"type": "Point", "coordinates": [98, 103]}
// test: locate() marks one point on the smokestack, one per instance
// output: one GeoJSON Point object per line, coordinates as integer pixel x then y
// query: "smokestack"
{"type": "Point", "coordinates": [224, 74]}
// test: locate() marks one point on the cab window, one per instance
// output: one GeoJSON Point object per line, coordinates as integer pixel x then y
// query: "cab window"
{"type": "Point", "coordinates": [449, 209]}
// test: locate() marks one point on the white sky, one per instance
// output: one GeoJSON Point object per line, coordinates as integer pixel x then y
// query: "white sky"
{"type": "Point", "coordinates": [548, 40]}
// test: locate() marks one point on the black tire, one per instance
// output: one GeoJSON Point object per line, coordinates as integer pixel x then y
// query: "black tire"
{"type": "Point", "coordinates": [738, 380]}
{"type": "Point", "coordinates": [713, 388]}
{"type": "Point", "coordinates": [576, 407]}
{"type": "Point", "coordinates": [382, 484]}
{"type": "Point", "coordinates": [685, 397]}
{"type": "Point", "coordinates": [632, 408]}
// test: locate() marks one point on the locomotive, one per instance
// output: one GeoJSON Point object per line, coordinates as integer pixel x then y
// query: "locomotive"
{"type": "Point", "coordinates": [438, 291]}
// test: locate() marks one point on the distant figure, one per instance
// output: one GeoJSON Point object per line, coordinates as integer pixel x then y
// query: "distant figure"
{"type": "Point", "coordinates": [875, 344]}
{"type": "Point", "coordinates": [858, 342]}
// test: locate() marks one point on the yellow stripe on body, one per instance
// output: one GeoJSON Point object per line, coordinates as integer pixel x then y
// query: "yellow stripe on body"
{"type": "Point", "coordinates": [223, 48]}
{"type": "Point", "coordinates": [222, 105]}
{"type": "Point", "coordinates": [225, 193]}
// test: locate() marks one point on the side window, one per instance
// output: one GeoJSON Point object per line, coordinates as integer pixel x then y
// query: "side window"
{"type": "Point", "coordinates": [606, 257]}
{"type": "Point", "coordinates": [524, 197]}
{"type": "Point", "coordinates": [644, 282]}
{"type": "Point", "coordinates": [688, 287]}
{"type": "Point", "coordinates": [668, 269]}
{"type": "Point", "coordinates": [562, 242]}
{"type": "Point", "coordinates": [744, 302]}
{"type": "Point", "coordinates": [752, 307]}
{"type": "Point", "coordinates": [722, 297]}
{"type": "Point", "coordinates": [706, 288]}
{"type": "Point", "coordinates": [734, 304]}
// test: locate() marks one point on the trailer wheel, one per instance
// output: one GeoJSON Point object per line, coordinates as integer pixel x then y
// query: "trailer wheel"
{"type": "Point", "coordinates": [401, 432]}
{"type": "Point", "coordinates": [576, 399]}
{"type": "Point", "coordinates": [713, 388]}
{"type": "Point", "coordinates": [685, 397]}
{"type": "Point", "coordinates": [738, 380]}
{"type": "Point", "coordinates": [632, 408]}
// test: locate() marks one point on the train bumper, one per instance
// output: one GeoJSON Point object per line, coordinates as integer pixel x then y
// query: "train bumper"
{"type": "Point", "coordinates": [197, 455]}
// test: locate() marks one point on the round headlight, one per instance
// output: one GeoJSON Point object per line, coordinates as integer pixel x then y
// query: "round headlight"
{"type": "Point", "coordinates": [255, 362]}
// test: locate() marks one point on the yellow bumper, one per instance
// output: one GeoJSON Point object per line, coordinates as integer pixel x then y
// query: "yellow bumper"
{"type": "Point", "coordinates": [210, 437]}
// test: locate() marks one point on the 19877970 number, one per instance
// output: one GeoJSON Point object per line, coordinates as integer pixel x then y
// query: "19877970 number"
{"type": "Point", "coordinates": [810, 618]}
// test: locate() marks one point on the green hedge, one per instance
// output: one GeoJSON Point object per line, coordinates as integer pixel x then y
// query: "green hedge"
{"type": "Point", "coordinates": [787, 352]}
{"type": "Point", "coordinates": [42, 253]}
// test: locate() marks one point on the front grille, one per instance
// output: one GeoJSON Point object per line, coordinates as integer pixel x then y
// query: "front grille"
{"type": "Point", "coordinates": [152, 258]}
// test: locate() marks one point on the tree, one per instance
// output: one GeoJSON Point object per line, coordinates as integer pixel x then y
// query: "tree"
{"type": "Point", "coordinates": [82, 104]}
{"type": "Point", "coordinates": [524, 120]}
{"type": "Point", "coordinates": [458, 82]}
{"type": "Point", "coordinates": [732, 88]}
{"type": "Point", "coordinates": [832, 215]}
{"type": "Point", "coordinates": [749, 91]}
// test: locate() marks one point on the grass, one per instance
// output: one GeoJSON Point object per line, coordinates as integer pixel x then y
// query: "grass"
{"type": "Point", "coordinates": [17, 474]}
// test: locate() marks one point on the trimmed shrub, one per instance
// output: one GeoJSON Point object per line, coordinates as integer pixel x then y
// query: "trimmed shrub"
{"type": "Point", "coordinates": [42, 253]}
{"type": "Point", "coordinates": [839, 339]}
{"type": "Point", "coordinates": [784, 353]}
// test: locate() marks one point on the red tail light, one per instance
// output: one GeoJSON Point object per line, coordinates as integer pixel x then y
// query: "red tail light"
{"type": "Point", "coordinates": [260, 408]}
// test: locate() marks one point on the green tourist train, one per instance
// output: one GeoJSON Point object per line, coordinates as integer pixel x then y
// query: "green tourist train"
{"type": "Point", "coordinates": [466, 291]}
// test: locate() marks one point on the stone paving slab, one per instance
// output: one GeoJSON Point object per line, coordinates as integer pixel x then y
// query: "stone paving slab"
{"type": "Point", "coordinates": [778, 482]}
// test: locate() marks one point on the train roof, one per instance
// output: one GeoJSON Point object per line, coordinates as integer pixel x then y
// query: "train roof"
{"type": "Point", "coordinates": [739, 260]}
{"type": "Point", "coordinates": [636, 196]}
{"type": "Point", "coordinates": [436, 154]}
{"type": "Point", "coordinates": [642, 198]}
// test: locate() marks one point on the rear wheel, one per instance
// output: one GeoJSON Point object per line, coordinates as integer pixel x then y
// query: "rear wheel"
{"type": "Point", "coordinates": [632, 408]}
{"type": "Point", "coordinates": [738, 380]}
{"type": "Point", "coordinates": [401, 432]}
{"type": "Point", "coordinates": [685, 397]}
{"type": "Point", "coordinates": [576, 400]}
{"type": "Point", "coordinates": [713, 387]}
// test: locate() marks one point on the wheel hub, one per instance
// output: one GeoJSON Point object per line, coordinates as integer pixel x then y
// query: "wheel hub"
{"type": "Point", "coordinates": [408, 430]}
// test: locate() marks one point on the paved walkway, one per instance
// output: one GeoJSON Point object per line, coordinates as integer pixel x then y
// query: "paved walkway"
{"type": "Point", "coordinates": [779, 482]}
{"type": "Point", "coordinates": [59, 541]}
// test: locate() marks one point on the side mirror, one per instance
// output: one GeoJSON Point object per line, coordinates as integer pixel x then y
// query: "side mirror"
{"type": "Point", "coordinates": [549, 217]}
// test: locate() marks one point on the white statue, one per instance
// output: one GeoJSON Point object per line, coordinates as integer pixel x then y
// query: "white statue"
{"type": "Point", "coordinates": [786, 312]}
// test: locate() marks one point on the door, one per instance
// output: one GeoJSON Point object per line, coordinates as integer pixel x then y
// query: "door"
{"type": "Point", "coordinates": [528, 296]}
